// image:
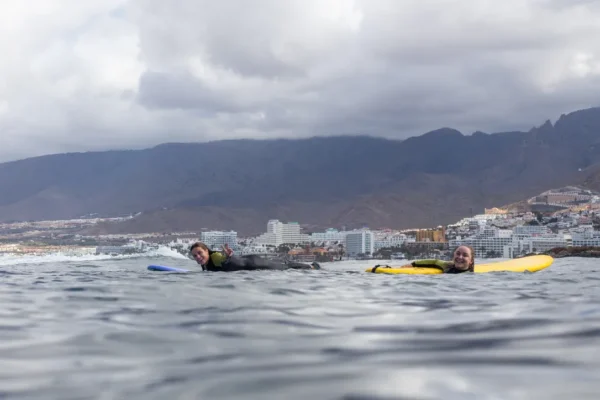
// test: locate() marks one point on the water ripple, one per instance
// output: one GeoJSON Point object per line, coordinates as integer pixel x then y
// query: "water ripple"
{"type": "Point", "coordinates": [112, 329]}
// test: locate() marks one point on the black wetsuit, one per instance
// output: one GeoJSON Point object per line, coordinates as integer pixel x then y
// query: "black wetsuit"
{"type": "Point", "coordinates": [446, 266]}
{"type": "Point", "coordinates": [251, 262]}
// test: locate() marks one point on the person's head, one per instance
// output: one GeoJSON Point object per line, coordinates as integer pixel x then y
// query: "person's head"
{"type": "Point", "coordinates": [200, 252]}
{"type": "Point", "coordinates": [464, 258]}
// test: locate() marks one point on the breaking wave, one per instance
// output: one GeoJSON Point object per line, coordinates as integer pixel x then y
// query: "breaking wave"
{"type": "Point", "coordinates": [59, 257]}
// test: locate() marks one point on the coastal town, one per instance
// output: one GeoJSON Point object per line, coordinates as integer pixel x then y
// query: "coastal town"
{"type": "Point", "coordinates": [557, 219]}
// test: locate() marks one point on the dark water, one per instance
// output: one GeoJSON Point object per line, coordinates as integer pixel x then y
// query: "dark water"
{"type": "Point", "coordinates": [112, 330]}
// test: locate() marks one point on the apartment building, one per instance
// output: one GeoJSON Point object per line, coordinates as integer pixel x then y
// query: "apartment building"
{"type": "Point", "coordinates": [586, 237]}
{"type": "Point", "coordinates": [534, 244]}
{"type": "Point", "coordinates": [391, 241]}
{"type": "Point", "coordinates": [279, 233]}
{"type": "Point", "coordinates": [216, 239]}
{"type": "Point", "coordinates": [359, 242]}
{"type": "Point", "coordinates": [330, 235]}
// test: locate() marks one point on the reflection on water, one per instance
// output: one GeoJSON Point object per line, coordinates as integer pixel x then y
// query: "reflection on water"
{"type": "Point", "coordinates": [111, 329]}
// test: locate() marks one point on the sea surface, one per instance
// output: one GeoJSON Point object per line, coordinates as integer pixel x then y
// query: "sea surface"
{"type": "Point", "coordinates": [107, 328]}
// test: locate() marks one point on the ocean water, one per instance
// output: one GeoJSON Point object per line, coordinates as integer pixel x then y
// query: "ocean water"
{"type": "Point", "coordinates": [107, 328]}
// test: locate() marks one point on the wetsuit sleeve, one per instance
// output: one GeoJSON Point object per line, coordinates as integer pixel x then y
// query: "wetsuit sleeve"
{"type": "Point", "coordinates": [445, 266]}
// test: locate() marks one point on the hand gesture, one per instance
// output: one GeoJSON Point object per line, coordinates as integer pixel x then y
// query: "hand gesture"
{"type": "Point", "coordinates": [228, 252]}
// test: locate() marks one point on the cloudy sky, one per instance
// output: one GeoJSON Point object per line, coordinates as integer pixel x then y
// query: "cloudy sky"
{"type": "Point", "coordinates": [111, 74]}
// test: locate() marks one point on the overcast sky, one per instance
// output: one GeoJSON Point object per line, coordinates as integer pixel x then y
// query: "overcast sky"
{"type": "Point", "coordinates": [111, 74]}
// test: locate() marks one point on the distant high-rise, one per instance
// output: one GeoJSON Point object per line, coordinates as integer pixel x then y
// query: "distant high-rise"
{"type": "Point", "coordinates": [360, 242]}
{"type": "Point", "coordinates": [279, 233]}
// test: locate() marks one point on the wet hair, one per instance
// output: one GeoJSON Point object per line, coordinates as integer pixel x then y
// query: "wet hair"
{"type": "Point", "coordinates": [472, 265]}
{"type": "Point", "coordinates": [202, 246]}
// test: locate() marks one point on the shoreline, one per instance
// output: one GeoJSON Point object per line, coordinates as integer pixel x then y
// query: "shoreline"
{"type": "Point", "coordinates": [584, 251]}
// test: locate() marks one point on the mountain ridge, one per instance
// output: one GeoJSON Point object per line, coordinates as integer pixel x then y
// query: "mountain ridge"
{"type": "Point", "coordinates": [427, 180]}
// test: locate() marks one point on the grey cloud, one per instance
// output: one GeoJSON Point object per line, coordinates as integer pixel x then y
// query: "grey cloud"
{"type": "Point", "coordinates": [390, 85]}
{"type": "Point", "coordinates": [233, 35]}
{"type": "Point", "coordinates": [560, 4]}
{"type": "Point", "coordinates": [207, 70]}
{"type": "Point", "coordinates": [181, 91]}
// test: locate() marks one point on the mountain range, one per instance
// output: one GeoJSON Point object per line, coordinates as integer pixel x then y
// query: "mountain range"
{"type": "Point", "coordinates": [339, 181]}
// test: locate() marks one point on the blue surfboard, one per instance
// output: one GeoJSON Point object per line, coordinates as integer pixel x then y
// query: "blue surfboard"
{"type": "Point", "coordinates": [165, 268]}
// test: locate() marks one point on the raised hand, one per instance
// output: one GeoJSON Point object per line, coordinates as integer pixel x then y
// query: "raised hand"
{"type": "Point", "coordinates": [227, 250]}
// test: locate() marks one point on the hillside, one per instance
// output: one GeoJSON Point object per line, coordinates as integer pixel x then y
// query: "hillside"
{"type": "Point", "coordinates": [432, 179]}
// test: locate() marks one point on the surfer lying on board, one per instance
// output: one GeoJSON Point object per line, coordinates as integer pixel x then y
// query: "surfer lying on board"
{"type": "Point", "coordinates": [211, 260]}
{"type": "Point", "coordinates": [462, 261]}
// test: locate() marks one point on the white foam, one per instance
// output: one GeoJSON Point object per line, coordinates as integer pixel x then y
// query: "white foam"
{"type": "Point", "coordinates": [16, 259]}
{"type": "Point", "coordinates": [166, 252]}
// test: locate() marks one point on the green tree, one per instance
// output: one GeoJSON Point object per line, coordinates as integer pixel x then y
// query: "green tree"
{"type": "Point", "coordinates": [283, 249]}
{"type": "Point", "coordinates": [539, 216]}
{"type": "Point", "coordinates": [385, 253]}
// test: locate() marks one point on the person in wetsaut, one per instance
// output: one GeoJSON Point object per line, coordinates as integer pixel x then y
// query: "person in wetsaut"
{"type": "Point", "coordinates": [211, 260]}
{"type": "Point", "coordinates": [463, 260]}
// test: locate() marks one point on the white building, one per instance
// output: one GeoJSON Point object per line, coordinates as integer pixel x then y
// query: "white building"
{"type": "Point", "coordinates": [584, 229]}
{"type": "Point", "coordinates": [279, 233]}
{"type": "Point", "coordinates": [546, 242]}
{"type": "Point", "coordinates": [530, 230]}
{"type": "Point", "coordinates": [256, 249]}
{"type": "Point", "coordinates": [506, 243]}
{"type": "Point", "coordinates": [492, 232]}
{"type": "Point", "coordinates": [490, 239]}
{"type": "Point", "coordinates": [330, 235]}
{"type": "Point", "coordinates": [265, 239]}
{"type": "Point", "coordinates": [505, 223]}
{"type": "Point", "coordinates": [390, 241]}
{"type": "Point", "coordinates": [564, 225]}
{"type": "Point", "coordinates": [360, 242]}
{"type": "Point", "coordinates": [534, 244]}
{"type": "Point", "coordinates": [588, 237]}
{"type": "Point", "coordinates": [481, 245]}
{"type": "Point", "coordinates": [216, 239]}
{"type": "Point", "coordinates": [485, 217]}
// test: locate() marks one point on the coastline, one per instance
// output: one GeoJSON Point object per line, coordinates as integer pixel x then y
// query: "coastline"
{"type": "Point", "coordinates": [583, 251]}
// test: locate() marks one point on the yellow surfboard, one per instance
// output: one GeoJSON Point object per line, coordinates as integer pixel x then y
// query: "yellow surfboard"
{"type": "Point", "coordinates": [525, 264]}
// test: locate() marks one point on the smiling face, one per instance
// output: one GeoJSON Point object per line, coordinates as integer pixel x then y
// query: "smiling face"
{"type": "Point", "coordinates": [463, 258]}
{"type": "Point", "coordinates": [200, 254]}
